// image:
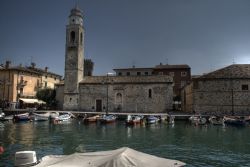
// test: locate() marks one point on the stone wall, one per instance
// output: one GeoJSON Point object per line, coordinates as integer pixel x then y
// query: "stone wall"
{"type": "Point", "coordinates": [127, 97]}
{"type": "Point", "coordinates": [219, 96]}
{"type": "Point", "coordinates": [60, 96]}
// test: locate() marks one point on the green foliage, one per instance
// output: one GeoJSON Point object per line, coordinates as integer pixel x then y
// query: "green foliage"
{"type": "Point", "coordinates": [48, 95]}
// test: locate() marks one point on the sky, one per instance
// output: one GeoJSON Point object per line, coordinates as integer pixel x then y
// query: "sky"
{"type": "Point", "coordinates": [205, 34]}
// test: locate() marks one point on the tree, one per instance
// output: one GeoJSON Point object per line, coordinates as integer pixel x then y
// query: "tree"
{"type": "Point", "coordinates": [48, 95]}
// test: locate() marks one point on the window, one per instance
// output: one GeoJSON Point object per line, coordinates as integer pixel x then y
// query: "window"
{"type": "Point", "coordinates": [146, 73]}
{"type": "Point", "coordinates": [160, 73]}
{"type": "Point", "coordinates": [244, 87]}
{"type": "Point", "coordinates": [128, 73]}
{"type": "Point", "coordinates": [183, 73]}
{"type": "Point", "coordinates": [120, 74]}
{"type": "Point", "coordinates": [171, 74]}
{"type": "Point", "coordinates": [150, 93]}
{"type": "Point", "coordinates": [138, 73]}
{"type": "Point", "coordinates": [72, 36]}
{"type": "Point", "coordinates": [46, 76]}
{"type": "Point", "coordinates": [46, 85]}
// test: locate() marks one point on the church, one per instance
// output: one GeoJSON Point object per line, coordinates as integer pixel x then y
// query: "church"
{"type": "Point", "coordinates": [142, 94]}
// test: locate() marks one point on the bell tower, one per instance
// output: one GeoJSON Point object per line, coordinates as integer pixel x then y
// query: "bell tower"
{"type": "Point", "coordinates": [74, 56]}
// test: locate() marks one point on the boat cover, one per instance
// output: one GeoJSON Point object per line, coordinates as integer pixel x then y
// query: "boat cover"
{"type": "Point", "coordinates": [32, 101]}
{"type": "Point", "coordinates": [123, 157]}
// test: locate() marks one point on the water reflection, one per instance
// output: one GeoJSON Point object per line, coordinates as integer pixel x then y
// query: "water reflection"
{"type": "Point", "coordinates": [195, 145]}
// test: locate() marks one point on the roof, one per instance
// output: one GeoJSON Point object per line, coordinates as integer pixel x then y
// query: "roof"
{"type": "Point", "coordinates": [167, 66]}
{"type": "Point", "coordinates": [126, 79]}
{"type": "Point", "coordinates": [20, 68]}
{"type": "Point", "coordinates": [132, 69]}
{"type": "Point", "coordinates": [115, 158]}
{"type": "Point", "coordinates": [232, 71]}
{"type": "Point", "coordinates": [43, 71]}
{"type": "Point", "coordinates": [37, 71]}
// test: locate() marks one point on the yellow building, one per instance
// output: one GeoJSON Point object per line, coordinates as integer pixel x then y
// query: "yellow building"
{"type": "Point", "coordinates": [23, 82]}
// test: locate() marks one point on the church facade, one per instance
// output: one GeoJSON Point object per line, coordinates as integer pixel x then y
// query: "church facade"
{"type": "Point", "coordinates": [148, 94]}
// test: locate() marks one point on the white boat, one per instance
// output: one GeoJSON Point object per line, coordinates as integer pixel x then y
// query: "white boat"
{"type": "Point", "coordinates": [108, 119]}
{"type": "Point", "coordinates": [64, 117]}
{"type": "Point", "coordinates": [41, 117]}
{"type": "Point", "coordinates": [2, 115]}
{"type": "Point", "coordinates": [54, 115]}
{"type": "Point", "coordinates": [133, 120]}
{"type": "Point", "coordinates": [216, 120]}
{"type": "Point", "coordinates": [123, 157]}
{"type": "Point", "coordinates": [198, 120]}
{"type": "Point", "coordinates": [152, 120]}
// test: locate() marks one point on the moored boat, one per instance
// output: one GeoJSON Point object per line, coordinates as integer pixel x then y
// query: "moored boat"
{"type": "Point", "coordinates": [214, 120]}
{"type": "Point", "coordinates": [108, 119]}
{"type": "Point", "coordinates": [54, 115]}
{"type": "Point", "coordinates": [152, 120]}
{"type": "Point", "coordinates": [2, 115]}
{"type": "Point", "coordinates": [120, 157]}
{"type": "Point", "coordinates": [234, 120]}
{"type": "Point", "coordinates": [21, 117]}
{"type": "Point", "coordinates": [198, 120]}
{"type": "Point", "coordinates": [41, 117]}
{"type": "Point", "coordinates": [133, 120]}
{"type": "Point", "coordinates": [62, 118]}
{"type": "Point", "coordinates": [92, 119]}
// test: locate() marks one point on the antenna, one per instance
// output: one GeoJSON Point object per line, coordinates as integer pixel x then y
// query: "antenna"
{"type": "Point", "coordinates": [77, 4]}
{"type": "Point", "coordinates": [233, 60]}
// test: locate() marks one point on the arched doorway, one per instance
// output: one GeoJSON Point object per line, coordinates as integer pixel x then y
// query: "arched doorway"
{"type": "Point", "coordinates": [118, 101]}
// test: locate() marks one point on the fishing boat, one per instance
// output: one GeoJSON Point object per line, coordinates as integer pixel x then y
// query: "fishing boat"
{"type": "Point", "coordinates": [152, 120]}
{"type": "Point", "coordinates": [216, 120]}
{"type": "Point", "coordinates": [234, 120]}
{"type": "Point", "coordinates": [198, 120]}
{"type": "Point", "coordinates": [108, 119]}
{"type": "Point", "coordinates": [41, 117]}
{"type": "Point", "coordinates": [92, 119]}
{"type": "Point", "coordinates": [21, 117]}
{"type": "Point", "coordinates": [62, 118]}
{"type": "Point", "coordinates": [133, 120]}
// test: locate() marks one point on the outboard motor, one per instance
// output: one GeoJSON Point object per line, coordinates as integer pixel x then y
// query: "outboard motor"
{"type": "Point", "coordinates": [25, 158]}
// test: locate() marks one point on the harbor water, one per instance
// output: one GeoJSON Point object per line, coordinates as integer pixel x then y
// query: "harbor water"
{"type": "Point", "coordinates": [195, 145]}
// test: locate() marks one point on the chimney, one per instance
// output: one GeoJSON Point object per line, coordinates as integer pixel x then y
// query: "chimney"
{"type": "Point", "coordinates": [33, 65]}
{"type": "Point", "coordinates": [46, 69]}
{"type": "Point", "coordinates": [7, 64]}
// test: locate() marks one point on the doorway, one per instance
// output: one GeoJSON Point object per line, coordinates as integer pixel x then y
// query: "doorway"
{"type": "Point", "coordinates": [99, 105]}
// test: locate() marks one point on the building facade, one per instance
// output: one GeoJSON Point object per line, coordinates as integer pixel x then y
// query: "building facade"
{"type": "Point", "coordinates": [132, 93]}
{"type": "Point", "coordinates": [23, 82]}
{"type": "Point", "coordinates": [222, 92]}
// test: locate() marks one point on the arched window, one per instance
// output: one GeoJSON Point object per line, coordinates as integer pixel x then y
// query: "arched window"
{"type": "Point", "coordinates": [81, 38]}
{"type": "Point", "coordinates": [150, 93]}
{"type": "Point", "coordinates": [72, 36]}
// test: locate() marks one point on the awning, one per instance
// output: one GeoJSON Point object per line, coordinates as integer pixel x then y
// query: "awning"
{"type": "Point", "coordinates": [32, 101]}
